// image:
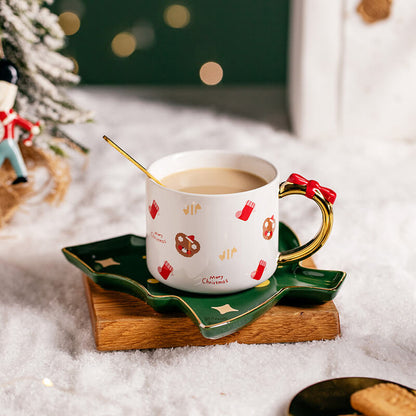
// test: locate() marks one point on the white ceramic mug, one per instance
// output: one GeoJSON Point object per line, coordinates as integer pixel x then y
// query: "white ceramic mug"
{"type": "Point", "coordinates": [224, 243]}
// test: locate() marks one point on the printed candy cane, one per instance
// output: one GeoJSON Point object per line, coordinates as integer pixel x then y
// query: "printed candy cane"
{"type": "Point", "coordinates": [165, 270]}
{"type": "Point", "coordinates": [153, 209]}
{"type": "Point", "coordinates": [259, 272]}
{"type": "Point", "coordinates": [244, 215]}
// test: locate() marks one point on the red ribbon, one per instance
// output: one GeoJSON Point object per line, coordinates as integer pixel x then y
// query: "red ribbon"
{"type": "Point", "coordinates": [312, 186]}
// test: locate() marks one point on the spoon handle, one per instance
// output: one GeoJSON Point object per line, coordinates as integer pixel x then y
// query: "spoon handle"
{"type": "Point", "coordinates": [135, 162]}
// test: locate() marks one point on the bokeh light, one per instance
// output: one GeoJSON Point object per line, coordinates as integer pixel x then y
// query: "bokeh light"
{"type": "Point", "coordinates": [123, 44]}
{"type": "Point", "coordinates": [47, 382]}
{"type": "Point", "coordinates": [69, 22]}
{"type": "Point", "coordinates": [211, 73]}
{"type": "Point", "coordinates": [177, 16]}
{"type": "Point", "coordinates": [144, 33]}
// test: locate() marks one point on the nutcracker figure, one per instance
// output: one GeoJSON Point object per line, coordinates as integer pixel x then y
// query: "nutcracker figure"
{"type": "Point", "coordinates": [9, 119]}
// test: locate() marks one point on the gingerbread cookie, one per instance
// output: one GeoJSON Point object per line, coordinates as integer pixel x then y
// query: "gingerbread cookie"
{"type": "Point", "coordinates": [384, 399]}
{"type": "Point", "coordinates": [374, 10]}
{"type": "Point", "coordinates": [186, 245]}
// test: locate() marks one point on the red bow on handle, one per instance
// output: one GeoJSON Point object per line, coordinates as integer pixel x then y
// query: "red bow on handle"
{"type": "Point", "coordinates": [312, 186]}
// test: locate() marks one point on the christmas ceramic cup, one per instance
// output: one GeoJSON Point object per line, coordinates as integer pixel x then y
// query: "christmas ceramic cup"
{"type": "Point", "coordinates": [223, 243]}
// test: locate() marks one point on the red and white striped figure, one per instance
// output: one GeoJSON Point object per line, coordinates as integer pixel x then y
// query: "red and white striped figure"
{"type": "Point", "coordinates": [153, 209]}
{"type": "Point", "coordinates": [9, 119]}
{"type": "Point", "coordinates": [256, 275]}
{"type": "Point", "coordinates": [245, 213]}
{"type": "Point", "coordinates": [165, 270]}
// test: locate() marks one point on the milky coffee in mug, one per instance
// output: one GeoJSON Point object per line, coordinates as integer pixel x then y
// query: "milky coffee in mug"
{"type": "Point", "coordinates": [213, 227]}
{"type": "Point", "coordinates": [213, 181]}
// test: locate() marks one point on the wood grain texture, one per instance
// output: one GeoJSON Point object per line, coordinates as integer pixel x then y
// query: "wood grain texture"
{"type": "Point", "coordinates": [122, 322]}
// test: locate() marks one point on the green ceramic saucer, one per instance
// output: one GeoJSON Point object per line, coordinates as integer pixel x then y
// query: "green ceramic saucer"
{"type": "Point", "coordinates": [120, 264]}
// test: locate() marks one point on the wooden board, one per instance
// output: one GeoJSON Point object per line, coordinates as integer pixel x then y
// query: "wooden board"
{"type": "Point", "coordinates": [123, 322]}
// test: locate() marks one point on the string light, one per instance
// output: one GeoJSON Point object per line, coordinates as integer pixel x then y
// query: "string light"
{"type": "Point", "coordinates": [177, 16]}
{"type": "Point", "coordinates": [211, 73]}
{"type": "Point", "coordinates": [123, 44]}
{"type": "Point", "coordinates": [47, 382]}
{"type": "Point", "coordinates": [69, 22]}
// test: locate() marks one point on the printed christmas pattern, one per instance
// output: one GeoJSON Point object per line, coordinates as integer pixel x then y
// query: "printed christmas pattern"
{"type": "Point", "coordinates": [186, 245]}
{"type": "Point", "coordinates": [269, 225]}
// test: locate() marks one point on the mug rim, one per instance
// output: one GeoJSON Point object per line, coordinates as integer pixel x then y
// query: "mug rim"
{"type": "Point", "coordinates": [211, 152]}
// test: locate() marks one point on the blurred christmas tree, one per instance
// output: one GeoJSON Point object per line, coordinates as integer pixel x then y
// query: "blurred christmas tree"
{"type": "Point", "coordinates": [31, 38]}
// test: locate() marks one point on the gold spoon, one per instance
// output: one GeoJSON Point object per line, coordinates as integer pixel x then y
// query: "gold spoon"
{"type": "Point", "coordinates": [135, 162]}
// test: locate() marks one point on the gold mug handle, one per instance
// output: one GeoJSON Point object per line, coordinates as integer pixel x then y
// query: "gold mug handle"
{"type": "Point", "coordinates": [324, 197]}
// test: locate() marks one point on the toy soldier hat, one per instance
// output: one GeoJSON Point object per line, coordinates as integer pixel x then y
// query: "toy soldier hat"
{"type": "Point", "coordinates": [8, 72]}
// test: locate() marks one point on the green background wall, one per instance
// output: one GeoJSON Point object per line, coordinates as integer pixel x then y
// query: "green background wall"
{"type": "Point", "coordinates": [247, 38]}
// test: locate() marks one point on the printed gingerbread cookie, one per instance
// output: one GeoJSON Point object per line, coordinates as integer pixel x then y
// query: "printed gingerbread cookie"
{"type": "Point", "coordinates": [269, 226]}
{"type": "Point", "coordinates": [186, 245]}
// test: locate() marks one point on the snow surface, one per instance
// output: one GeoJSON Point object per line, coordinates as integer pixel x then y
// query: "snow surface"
{"type": "Point", "coordinates": [45, 327]}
